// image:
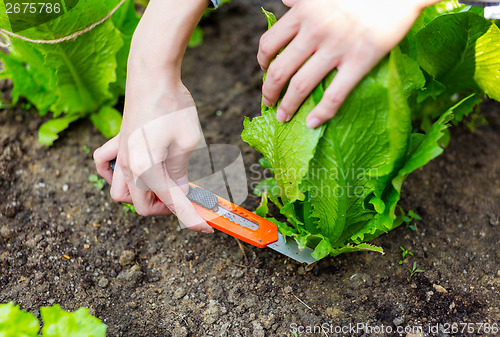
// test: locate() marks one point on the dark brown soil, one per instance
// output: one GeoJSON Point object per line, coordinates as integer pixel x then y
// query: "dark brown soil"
{"type": "Point", "coordinates": [64, 241]}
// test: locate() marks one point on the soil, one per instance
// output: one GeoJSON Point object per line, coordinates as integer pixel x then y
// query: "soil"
{"type": "Point", "coordinates": [64, 241]}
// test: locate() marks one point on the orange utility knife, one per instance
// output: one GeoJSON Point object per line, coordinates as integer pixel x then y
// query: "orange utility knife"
{"type": "Point", "coordinates": [236, 221]}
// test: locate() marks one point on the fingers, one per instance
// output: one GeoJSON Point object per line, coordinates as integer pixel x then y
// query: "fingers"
{"type": "Point", "coordinates": [119, 187]}
{"type": "Point", "coordinates": [276, 38]}
{"type": "Point", "coordinates": [155, 182]}
{"type": "Point", "coordinates": [146, 203]}
{"type": "Point", "coordinates": [175, 199]}
{"type": "Point", "coordinates": [283, 68]}
{"type": "Point", "coordinates": [102, 157]}
{"type": "Point", "coordinates": [304, 82]}
{"type": "Point", "coordinates": [349, 74]}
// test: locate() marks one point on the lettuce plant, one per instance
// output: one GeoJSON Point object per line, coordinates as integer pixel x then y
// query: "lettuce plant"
{"type": "Point", "coordinates": [81, 78]}
{"type": "Point", "coordinates": [15, 322]}
{"type": "Point", "coordinates": [338, 185]}
{"type": "Point", "coordinates": [74, 79]}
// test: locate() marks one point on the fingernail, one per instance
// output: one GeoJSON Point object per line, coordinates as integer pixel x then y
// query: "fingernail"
{"type": "Point", "coordinates": [207, 231]}
{"type": "Point", "coordinates": [263, 69]}
{"type": "Point", "coordinates": [266, 102]}
{"type": "Point", "coordinates": [282, 116]}
{"type": "Point", "coordinates": [313, 123]}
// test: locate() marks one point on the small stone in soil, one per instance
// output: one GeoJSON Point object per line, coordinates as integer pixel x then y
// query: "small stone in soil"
{"type": "Point", "coordinates": [5, 232]}
{"type": "Point", "coordinates": [132, 276]}
{"type": "Point", "coordinates": [398, 320]}
{"type": "Point", "coordinates": [237, 273]}
{"type": "Point", "coordinates": [494, 221]}
{"type": "Point", "coordinates": [258, 330]}
{"type": "Point", "coordinates": [211, 315]}
{"type": "Point", "coordinates": [288, 290]}
{"type": "Point", "coordinates": [440, 289]}
{"type": "Point", "coordinates": [179, 293]}
{"type": "Point", "coordinates": [103, 282]}
{"type": "Point", "coordinates": [359, 279]}
{"type": "Point", "coordinates": [180, 331]}
{"type": "Point", "coordinates": [127, 257]}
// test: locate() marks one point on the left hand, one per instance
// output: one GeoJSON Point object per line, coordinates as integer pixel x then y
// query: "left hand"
{"type": "Point", "coordinates": [320, 35]}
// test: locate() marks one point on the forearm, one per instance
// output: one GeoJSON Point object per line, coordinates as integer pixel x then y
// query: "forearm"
{"type": "Point", "coordinates": [162, 36]}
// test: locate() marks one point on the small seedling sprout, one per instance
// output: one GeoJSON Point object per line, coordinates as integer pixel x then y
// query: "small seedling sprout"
{"type": "Point", "coordinates": [98, 182]}
{"type": "Point", "coordinates": [413, 270]}
{"type": "Point", "coordinates": [404, 254]}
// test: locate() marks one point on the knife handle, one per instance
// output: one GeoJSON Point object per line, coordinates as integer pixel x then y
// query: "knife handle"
{"type": "Point", "coordinates": [266, 233]}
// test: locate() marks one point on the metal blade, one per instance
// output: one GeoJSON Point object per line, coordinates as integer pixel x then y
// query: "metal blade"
{"type": "Point", "coordinates": [290, 248]}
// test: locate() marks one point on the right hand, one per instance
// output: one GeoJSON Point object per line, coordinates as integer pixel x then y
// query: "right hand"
{"type": "Point", "coordinates": [160, 129]}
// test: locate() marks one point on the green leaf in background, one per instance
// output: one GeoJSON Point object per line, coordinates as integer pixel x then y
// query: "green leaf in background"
{"type": "Point", "coordinates": [34, 81]}
{"type": "Point", "coordinates": [79, 77]}
{"type": "Point", "coordinates": [85, 69]}
{"type": "Point", "coordinates": [412, 77]}
{"type": "Point", "coordinates": [107, 120]}
{"type": "Point", "coordinates": [59, 323]}
{"type": "Point", "coordinates": [15, 322]}
{"type": "Point", "coordinates": [197, 37]}
{"type": "Point", "coordinates": [49, 131]}
{"type": "Point", "coordinates": [462, 52]}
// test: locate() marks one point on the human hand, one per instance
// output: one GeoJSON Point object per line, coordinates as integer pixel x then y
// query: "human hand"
{"type": "Point", "coordinates": [160, 129]}
{"type": "Point", "coordinates": [320, 35]}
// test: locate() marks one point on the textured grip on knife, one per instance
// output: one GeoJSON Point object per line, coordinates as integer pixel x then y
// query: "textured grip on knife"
{"type": "Point", "coordinates": [202, 197]}
{"type": "Point", "coordinates": [266, 233]}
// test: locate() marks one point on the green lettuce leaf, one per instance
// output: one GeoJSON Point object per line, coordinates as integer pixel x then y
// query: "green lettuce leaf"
{"type": "Point", "coordinates": [359, 150]}
{"type": "Point", "coordinates": [17, 323]}
{"type": "Point", "coordinates": [49, 131]}
{"type": "Point", "coordinates": [461, 52]}
{"type": "Point", "coordinates": [32, 80]}
{"type": "Point", "coordinates": [85, 69]}
{"type": "Point", "coordinates": [59, 323]}
{"type": "Point", "coordinates": [288, 146]}
{"type": "Point", "coordinates": [107, 121]}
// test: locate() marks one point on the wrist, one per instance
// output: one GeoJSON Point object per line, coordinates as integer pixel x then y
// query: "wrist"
{"type": "Point", "coordinates": [148, 63]}
{"type": "Point", "coordinates": [421, 4]}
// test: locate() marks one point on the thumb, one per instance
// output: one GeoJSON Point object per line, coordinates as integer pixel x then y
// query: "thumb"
{"type": "Point", "coordinates": [290, 3]}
